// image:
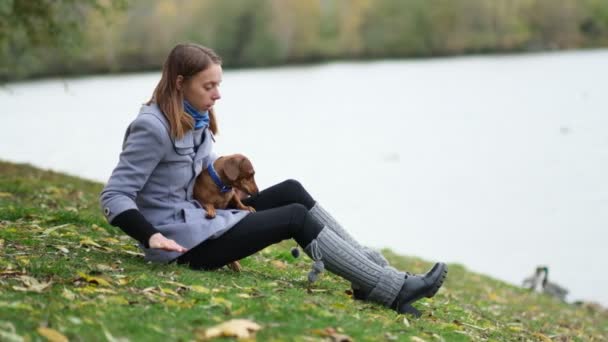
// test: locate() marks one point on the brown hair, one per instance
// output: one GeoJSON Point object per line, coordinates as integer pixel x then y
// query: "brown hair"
{"type": "Point", "coordinates": [186, 60]}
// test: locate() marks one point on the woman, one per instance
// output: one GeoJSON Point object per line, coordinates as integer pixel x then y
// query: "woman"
{"type": "Point", "coordinates": [149, 195]}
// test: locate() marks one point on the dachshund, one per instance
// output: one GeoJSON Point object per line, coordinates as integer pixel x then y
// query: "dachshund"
{"type": "Point", "coordinates": [215, 187]}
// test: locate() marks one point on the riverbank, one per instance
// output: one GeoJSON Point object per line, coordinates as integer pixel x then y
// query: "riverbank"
{"type": "Point", "coordinates": [64, 270]}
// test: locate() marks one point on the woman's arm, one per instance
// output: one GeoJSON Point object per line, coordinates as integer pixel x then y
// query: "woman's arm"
{"type": "Point", "coordinates": [143, 149]}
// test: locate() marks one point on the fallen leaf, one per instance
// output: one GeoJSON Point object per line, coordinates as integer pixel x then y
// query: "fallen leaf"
{"type": "Point", "coordinates": [168, 292]}
{"type": "Point", "coordinates": [62, 249]}
{"type": "Point", "coordinates": [87, 241]}
{"type": "Point", "coordinates": [52, 334]}
{"type": "Point", "coordinates": [221, 301]}
{"type": "Point", "coordinates": [32, 284]}
{"type": "Point", "coordinates": [52, 229]}
{"type": "Point", "coordinates": [333, 334]}
{"type": "Point", "coordinates": [67, 294]}
{"type": "Point", "coordinates": [174, 283]}
{"type": "Point", "coordinates": [278, 264]}
{"type": "Point", "coordinates": [134, 253]}
{"type": "Point", "coordinates": [239, 328]}
{"type": "Point", "coordinates": [542, 337]}
{"type": "Point", "coordinates": [199, 289]}
{"type": "Point", "coordinates": [111, 338]}
{"type": "Point", "coordinates": [95, 280]}
{"type": "Point", "coordinates": [8, 333]}
{"type": "Point", "coordinates": [416, 339]}
{"type": "Point", "coordinates": [104, 268]}
{"type": "Point", "coordinates": [406, 322]}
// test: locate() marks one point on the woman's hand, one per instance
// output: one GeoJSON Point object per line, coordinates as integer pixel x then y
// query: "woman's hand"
{"type": "Point", "coordinates": [159, 241]}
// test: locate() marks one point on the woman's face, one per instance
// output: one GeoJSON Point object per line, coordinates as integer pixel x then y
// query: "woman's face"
{"type": "Point", "coordinates": [202, 89]}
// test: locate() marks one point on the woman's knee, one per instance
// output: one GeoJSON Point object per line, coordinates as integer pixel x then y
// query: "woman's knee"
{"type": "Point", "coordinates": [303, 227]}
{"type": "Point", "coordinates": [298, 214]}
{"type": "Point", "coordinates": [299, 193]}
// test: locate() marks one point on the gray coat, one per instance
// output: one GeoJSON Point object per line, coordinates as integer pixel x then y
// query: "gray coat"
{"type": "Point", "coordinates": [156, 175]}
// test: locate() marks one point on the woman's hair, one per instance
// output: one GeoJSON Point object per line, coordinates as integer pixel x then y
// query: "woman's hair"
{"type": "Point", "coordinates": [186, 60]}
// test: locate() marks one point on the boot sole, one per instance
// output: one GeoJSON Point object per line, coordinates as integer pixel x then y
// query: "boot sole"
{"type": "Point", "coordinates": [439, 282]}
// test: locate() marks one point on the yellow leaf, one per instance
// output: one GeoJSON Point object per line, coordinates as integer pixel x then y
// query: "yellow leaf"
{"type": "Point", "coordinates": [52, 334]}
{"type": "Point", "coordinates": [95, 280]}
{"type": "Point", "coordinates": [110, 240]}
{"type": "Point", "coordinates": [5, 194]}
{"type": "Point", "coordinates": [239, 328]}
{"type": "Point", "coordinates": [199, 289]}
{"type": "Point", "coordinates": [174, 283]}
{"type": "Point", "coordinates": [117, 300]}
{"type": "Point", "coordinates": [168, 291]}
{"type": "Point", "coordinates": [67, 294]}
{"type": "Point", "coordinates": [122, 281]}
{"type": "Point", "coordinates": [542, 337]}
{"type": "Point", "coordinates": [87, 241]}
{"type": "Point", "coordinates": [416, 339]}
{"type": "Point", "coordinates": [221, 301]}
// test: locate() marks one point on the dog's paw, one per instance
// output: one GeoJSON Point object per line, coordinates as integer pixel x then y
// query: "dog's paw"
{"type": "Point", "coordinates": [251, 209]}
{"type": "Point", "coordinates": [210, 214]}
{"type": "Point", "coordinates": [235, 266]}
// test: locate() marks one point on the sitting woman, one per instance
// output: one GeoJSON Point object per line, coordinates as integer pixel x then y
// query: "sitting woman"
{"type": "Point", "coordinates": [149, 195]}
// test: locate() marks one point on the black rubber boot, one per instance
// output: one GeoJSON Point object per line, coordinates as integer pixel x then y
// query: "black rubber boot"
{"type": "Point", "coordinates": [419, 286]}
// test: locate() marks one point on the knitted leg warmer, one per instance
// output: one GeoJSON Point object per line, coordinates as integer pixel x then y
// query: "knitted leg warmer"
{"type": "Point", "coordinates": [380, 283]}
{"type": "Point", "coordinates": [326, 219]}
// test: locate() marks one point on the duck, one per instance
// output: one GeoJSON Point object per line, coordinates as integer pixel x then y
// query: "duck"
{"type": "Point", "coordinates": [539, 282]}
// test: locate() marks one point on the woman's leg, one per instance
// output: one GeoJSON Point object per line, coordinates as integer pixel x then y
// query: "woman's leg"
{"type": "Point", "coordinates": [253, 233]}
{"type": "Point", "coordinates": [258, 230]}
{"type": "Point", "coordinates": [286, 192]}
{"type": "Point", "coordinates": [291, 191]}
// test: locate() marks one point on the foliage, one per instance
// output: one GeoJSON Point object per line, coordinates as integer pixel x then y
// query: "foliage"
{"type": "Point", "coordinates": [41, 37]}
{"type": "Point", "coordinates": [66, 274]}
{"type": "Point", "coordinates": [29, 29]}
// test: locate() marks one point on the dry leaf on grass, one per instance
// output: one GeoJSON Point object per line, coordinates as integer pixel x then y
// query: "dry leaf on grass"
{"type": "Point", "coordinates": [95, 280]}
{"type": "Point", "coordinates": [32, 284]}
{"type": "Point", "coordinates": [279, 264]}
{"type": "Point", "coordinates": [239, 328]}
{"type": "Point", "coordinates": [8, 333]}
{"type": "Point", "coordinates": [52, 334]}
{"type": "Point", "coordinates": [333, 335]}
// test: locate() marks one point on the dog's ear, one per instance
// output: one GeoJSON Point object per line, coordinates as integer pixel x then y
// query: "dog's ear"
{"type": "Point", "coordinates": [246, 166]}
{"type": "Point", "coordinates": [231, 168]}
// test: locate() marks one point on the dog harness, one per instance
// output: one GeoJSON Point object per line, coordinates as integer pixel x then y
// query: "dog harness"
{"type": "Point", "coordinates": [216, 179]}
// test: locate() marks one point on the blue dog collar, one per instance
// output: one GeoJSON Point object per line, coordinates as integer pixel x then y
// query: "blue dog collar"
{"type": "Point", "coordinates": [217, 180]}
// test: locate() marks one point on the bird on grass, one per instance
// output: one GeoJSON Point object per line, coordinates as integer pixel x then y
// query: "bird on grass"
{"type": "Point", "coordinates": [540, 283]}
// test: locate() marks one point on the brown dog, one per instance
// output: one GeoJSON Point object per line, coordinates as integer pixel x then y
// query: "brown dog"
{"type": "Point", "coordinates": [214, 187]}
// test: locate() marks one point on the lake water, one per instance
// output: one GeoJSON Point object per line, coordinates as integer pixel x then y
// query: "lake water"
{"type": "Point", "coordinates": [499, 163]}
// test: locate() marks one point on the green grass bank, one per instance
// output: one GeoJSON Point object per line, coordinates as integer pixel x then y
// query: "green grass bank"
{"type": "Point", "coordinates": [65, 274]}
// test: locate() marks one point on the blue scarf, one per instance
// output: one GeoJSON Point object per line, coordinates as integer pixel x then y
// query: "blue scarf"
{"type": "Point", "coordinates": [200, 119]}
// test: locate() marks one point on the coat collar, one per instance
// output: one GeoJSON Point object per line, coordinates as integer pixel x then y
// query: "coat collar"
{"type": "Point", "coordinates": [187, 141]}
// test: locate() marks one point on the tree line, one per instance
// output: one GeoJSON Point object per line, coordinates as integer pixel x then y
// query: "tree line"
{"type": "Point", "coordinates": [67, 37]}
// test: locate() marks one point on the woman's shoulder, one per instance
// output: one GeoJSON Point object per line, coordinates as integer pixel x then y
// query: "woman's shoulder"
{"type": "Point", "coordinates": [152, 121]}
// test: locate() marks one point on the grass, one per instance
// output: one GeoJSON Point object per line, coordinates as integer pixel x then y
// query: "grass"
{"type": "Point", "coordinates": [66, 273]}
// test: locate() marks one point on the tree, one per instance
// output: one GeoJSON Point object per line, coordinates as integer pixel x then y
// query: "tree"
{"type": "Point", "coordinates": [29, 27]}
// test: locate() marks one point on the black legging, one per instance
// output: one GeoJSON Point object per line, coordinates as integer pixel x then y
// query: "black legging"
{"type": "Point", "coordinates": [282, 212]}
